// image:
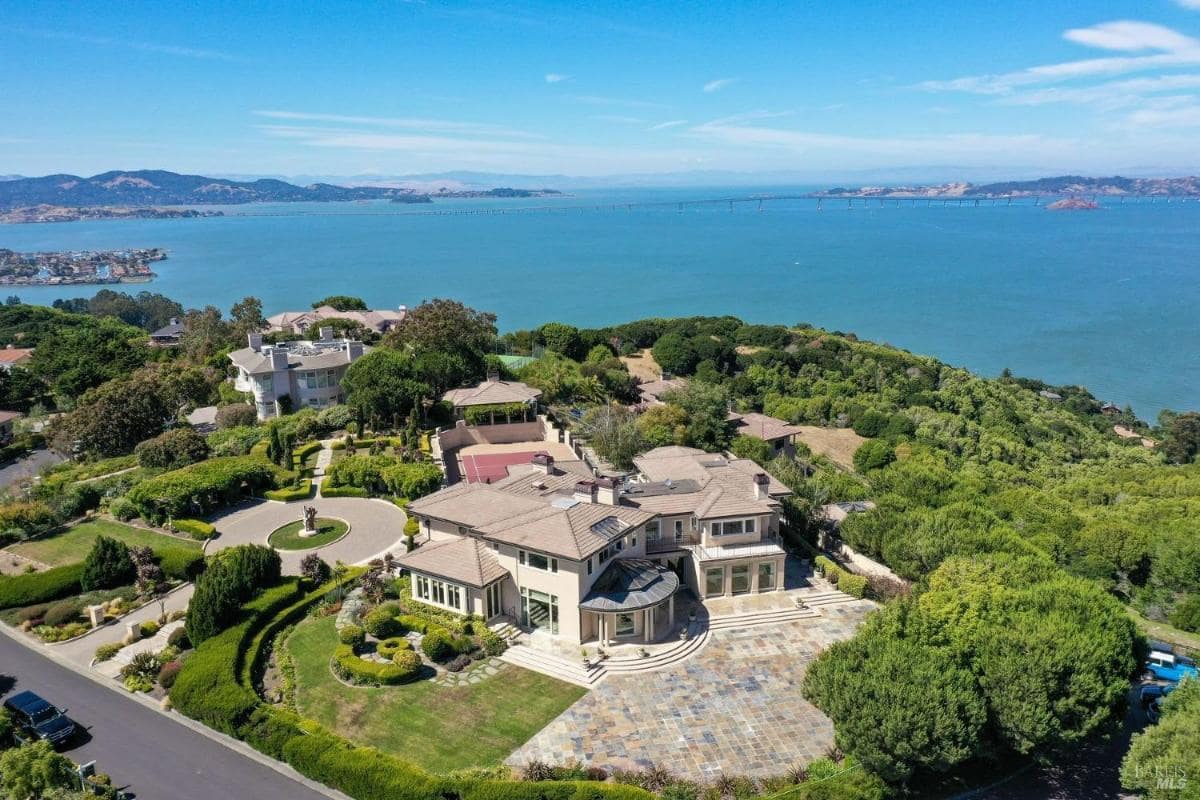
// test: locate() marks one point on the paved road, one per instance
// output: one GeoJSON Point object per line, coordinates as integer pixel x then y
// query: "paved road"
{"type": "Point", "coordinates": [27, 467]}
{"type": "Point", "coordinates": [156, 757]}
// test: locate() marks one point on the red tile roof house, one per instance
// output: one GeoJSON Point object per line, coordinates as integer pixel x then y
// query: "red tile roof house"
{"type": "Point", "coordinates": [600, 560]}
{"type": "Point", "coordinates": [380, 321]}
{"type": "Point", "coordinates": [14, 357]}
{"type": "Point", "coordinates": [779, 433]}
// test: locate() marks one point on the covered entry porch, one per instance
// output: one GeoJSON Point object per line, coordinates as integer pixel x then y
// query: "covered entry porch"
{"type": "Point", "coordinates": [632, 601]}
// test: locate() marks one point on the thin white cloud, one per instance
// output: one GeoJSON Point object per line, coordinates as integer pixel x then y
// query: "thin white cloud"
{"type": "Point", "coordinates": [718, 84]}
{"type": "Point", "coordinates": [617, 118]}
{"type": "Point", "coordinates": [1193, 5]}
{"type": "Point", "coordinates": [662, 126]}
{"type": "Point", "coordinates": [1172, 49]}
{"type": "Point", "coordinates": [1105, 96]}
{"type": "Point", "coordinates": [556, 77]}
{"type": "Point", "coordinates": [1131, 36]}
{"type": "Point", "coordinates": [145, 47]}
{"type": "Point", "coordinates": [601, 100]}
{"type": "Point", "coordinates": [426, 125]}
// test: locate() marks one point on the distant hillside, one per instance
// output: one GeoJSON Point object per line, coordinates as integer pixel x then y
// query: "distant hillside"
{"type": "Point", "coordinates": [158, 187]}
{"type": "Point", "coordinates": [1070, 185]}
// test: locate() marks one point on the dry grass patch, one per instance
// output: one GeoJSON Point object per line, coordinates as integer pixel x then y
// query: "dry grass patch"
{"type": "Point", "coordinates": [836, 444]}
{"type": "Point", "coordinates": [643, 366]}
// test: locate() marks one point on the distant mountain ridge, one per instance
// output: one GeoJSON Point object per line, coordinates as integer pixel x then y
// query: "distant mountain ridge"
{"type": "Point", "coordinates": [1069, 185]}
{"type": "Point", "coordinates": [159, 187]}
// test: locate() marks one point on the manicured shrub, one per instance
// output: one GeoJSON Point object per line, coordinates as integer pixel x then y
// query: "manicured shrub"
{"type": "Point", "coordinates": [168, 673]}
{"type": "Point", "coordinates": [352, 635]}
{"type": "Point", "coordinates": [40, 587]}
{"type": "Point", "coordinates": [148, 628]}
{"type": "Point", "coordinates": [172, 449]}
{"type": "Point", "coordinates": [381, 622]}
{"type": "Point", "coordinates": [825, 565]}
{"type": "Point", "coordinates": [342, 491]}
{"type": "Point", "coordinates": [180, 563]}
{"type": "Point", "coordinates": [107, 565]}
{"type": "Point", "coordinates": [437, 644]}
{"type": "Point", "coordinates": [375, 673]}
{"type": "Point", "coordinates": [851, 584]}
{"type": "Point", "coordinates": [288, 494]}
{"type": "Point", "coordinates": [62, 613]}
{"type": "Point", "coordinates": [232, 577]}
{"type": "Point", "coordinates": [411, 622]}
{"type": "Point", "coordinates": [196, 528]}
{"type": "Point", "coordinates": [493, 643]}
{"type": "Point", "coordinates": [389, 647]}
{"type": "Point", "coordinates": [202, 488]}
{"type": "Point", "coordinates": [238, 415]}
{"type": "Point", "coordinates": [21, 519]}
{"type": "Point", "coordinates": [178, 639]}
{"type": "Point", "coordinates": [106, 651]}
{"type": "Point", "coordinates": [122, 509]}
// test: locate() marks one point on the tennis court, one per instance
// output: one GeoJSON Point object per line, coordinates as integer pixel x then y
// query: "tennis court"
{"type": "Point", "coordinates": [488, 467]}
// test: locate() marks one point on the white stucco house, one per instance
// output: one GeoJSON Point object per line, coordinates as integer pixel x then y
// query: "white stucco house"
{"type": "Point", "coordinates": [309, 372]}
{"type": "Point", "coordinates": [600, 560]}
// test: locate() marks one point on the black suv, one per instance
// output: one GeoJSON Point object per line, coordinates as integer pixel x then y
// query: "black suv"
{"type": "Point", "coordinates": [37, 719]}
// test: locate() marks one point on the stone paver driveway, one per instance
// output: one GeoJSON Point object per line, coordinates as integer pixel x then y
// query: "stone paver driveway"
{"type": "Point", "coordinates": [735, 707]}
{"type": "Point", "coordinates": [376, 526]}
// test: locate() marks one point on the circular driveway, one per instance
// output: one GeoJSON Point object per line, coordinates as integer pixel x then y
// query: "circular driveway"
{"type": "Point", "coordinates": [376, 527]}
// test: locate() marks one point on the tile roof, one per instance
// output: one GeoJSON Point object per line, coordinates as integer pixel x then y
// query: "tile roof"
{"type": "Point", "coordinates": [492, 392]}
{"type": "Point", "coordinates": [462, 560]}
{"type": "Point", "coordinates": [724, 486]}
{"type": "Point", "coordinates": [8, 416]}
{"type": "Point", "coordinates": [652, 391]}
{"type": "Point", "coordinates": [378, 320]}
{"type": "Point", "coordinates": [762, 426]}
{"type": "Point", "coordinates": [575, 532]}
{"type": "Point", "coordinates": [12, 355]}
{"type": "Point", "coordinates": [256, 362]}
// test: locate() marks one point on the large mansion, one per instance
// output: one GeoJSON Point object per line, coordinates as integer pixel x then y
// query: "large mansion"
{"type": "Point", "coordinates": [600, 559]}
{"type": "Point", "coordinates": [308, 372]}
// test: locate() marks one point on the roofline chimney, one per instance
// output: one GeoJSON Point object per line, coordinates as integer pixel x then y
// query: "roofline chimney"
{"type": "Point", "coordinates": [585, 491]}
{"type": "Point", "coordinates": [762, 486]}
{"type": "Point", "coordinates": [608, 491]}
{"type": "Point", "coordinates": [543, 462]}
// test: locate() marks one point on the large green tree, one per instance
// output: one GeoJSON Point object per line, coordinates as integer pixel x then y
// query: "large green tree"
{"type": "Point", "coordinates": [707, 408]}
{"type": "Point", "coordinates": [384, 386]}
{"type": "Point", "coordinates": [447, 326]}
{"type": "Point", "coordinates": [35, 771]}
{"type": "Point", "coordinates": [612, 431]}
{"type": "Point", "coordinates": [342, 302]}
{"type": "Point", "coordinates": [107, 565]}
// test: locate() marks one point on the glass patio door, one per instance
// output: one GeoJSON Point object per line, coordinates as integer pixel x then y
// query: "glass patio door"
{"type": "Point", "coordinates": [539, 610]}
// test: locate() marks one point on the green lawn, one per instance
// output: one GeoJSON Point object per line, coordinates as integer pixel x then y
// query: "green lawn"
{"type": "Point", "coordinates": [440, 728]}
{"type": "Point", "coordinates": [288, 537]}
{"type": "Point", "coordinates": [73, 545]}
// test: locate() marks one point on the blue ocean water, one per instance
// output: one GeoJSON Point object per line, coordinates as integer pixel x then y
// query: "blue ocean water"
{"type": "Point", "coordinates": [1109, 299]}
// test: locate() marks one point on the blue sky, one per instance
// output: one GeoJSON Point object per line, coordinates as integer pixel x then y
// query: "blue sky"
{"type": "Point", "coordinates": [600, 88]}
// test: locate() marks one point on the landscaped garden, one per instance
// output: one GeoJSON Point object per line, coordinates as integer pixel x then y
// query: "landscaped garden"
{"type": "Point", "coordinates": [441, 727]}
{"type": "Point", "coordinates": [290, 536]}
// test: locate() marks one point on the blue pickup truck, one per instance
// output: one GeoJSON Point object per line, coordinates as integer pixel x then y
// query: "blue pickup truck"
{"type": "Point", "coordinates": [1165, 666]}
{"type": "Point", "coordinates": [37, 719]}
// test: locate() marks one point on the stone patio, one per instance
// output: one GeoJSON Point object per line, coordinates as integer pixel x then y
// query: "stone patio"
{"type": "Point", "coordinates": [734, 708]}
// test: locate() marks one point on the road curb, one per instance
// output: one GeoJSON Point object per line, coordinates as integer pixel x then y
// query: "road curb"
{"type": "Point", "coordinates": [239, 747]}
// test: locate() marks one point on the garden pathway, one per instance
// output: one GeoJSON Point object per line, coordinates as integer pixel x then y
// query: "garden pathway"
{"type": "Point", "coordinates": [81, 650]}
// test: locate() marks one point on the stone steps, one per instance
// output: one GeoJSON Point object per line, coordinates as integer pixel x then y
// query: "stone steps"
{"type": "Point", "coordinates": [555, 666]}
{"type": "Point", "coordinates": [679, 652]}
{"type": "Point", "coordinates": [826, 599]}
{"type": "Point", "coordinates": [760, 618]}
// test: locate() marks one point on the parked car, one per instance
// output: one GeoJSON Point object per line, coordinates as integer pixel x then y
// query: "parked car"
{"type": "Point", "coordinates": [37, 719]}
{"type": "Point", "coordinates": [1170, 667]}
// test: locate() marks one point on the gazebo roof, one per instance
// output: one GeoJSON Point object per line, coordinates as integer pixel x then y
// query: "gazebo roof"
{"type": "Point", "coordinates": [630, 584]}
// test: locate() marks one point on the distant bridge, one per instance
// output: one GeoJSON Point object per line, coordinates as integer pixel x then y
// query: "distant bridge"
{"type": "Point", "coordinates": [757, 202]}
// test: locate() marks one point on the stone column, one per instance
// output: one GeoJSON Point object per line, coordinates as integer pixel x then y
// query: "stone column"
{"type": "Point", "coordinates": [671, 611]}
{"type": "Point", "coordinates": [648, 624]}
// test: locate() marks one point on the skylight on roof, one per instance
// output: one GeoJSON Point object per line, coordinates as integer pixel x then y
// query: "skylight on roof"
{"type": "Point", "coordinates": [565, 503]}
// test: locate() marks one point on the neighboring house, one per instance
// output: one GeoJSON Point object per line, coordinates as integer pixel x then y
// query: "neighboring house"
{"type": "Point", "coordinates": [15, 357]}
{"type": "Point", "coordinates": [1110, 408]}
{"type": "Point", "coordinates": [7, 420]}
{"type": "Point", "coordinates": [492, 392]}
{"type": "Point", "coordinates": [599, 560]}
{"type": "Point", "coordinates": [380, 321]}
{"type": "Point", "coordinates": [168, 335]}
{"type": "Point", "coordinates": [651, 392]}
{"type": "Point", "coordinates": [310, 372]}
{"type": "Point", "coordinates": [780, 434]}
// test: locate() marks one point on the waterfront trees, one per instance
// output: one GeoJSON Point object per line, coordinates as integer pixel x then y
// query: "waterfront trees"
{"type": "Point", "coordinates": [342, 302]}
{"type": "Point", "coordinates": [447, 326]}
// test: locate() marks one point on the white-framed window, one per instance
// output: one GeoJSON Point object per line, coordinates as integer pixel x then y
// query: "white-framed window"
{"type": "Point", "coordinates": [714, 581]}
{"type": "Point", "coordinates": [678, 530]}
{"type": "Point", "coordinates": [439, 593]}
{"type": "Point", "coordinates": [733, 527]}
{"type": "Point", "coordinates": [266, 384]}
{"type": "Point", "coordinates": [653, 530]}
{"type": "Point", "coordinates": [589, 565]}
{"type": "Point", "coordinates": [766, 575]}
{"type": "Point", "coordinates": [538, 561]}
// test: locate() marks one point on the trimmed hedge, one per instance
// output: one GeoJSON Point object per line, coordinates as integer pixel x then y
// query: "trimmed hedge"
{"type": "Point", "coordinates": [846, 581]}
{"type": "Point", "coordinates": [389, 647]}
{"type": "Point", "coordinates": [180, 563]}
{"type": "Point", "coordinates": [196, 528]}
{"type": "Point", "coordinates": [40, 587]}
{"type": "Point", "coordinates": [201, 488]}
{"type": "Point", "coordinates": [375, 673]}
{"type": "Point", "coordinates": [289, 493]}
{"type": "Point", "coordinates": [301, 453]}
{"type": "Point", "coordinates": [343, 491]}
{"type": "Point", "coordinates": [381, 622]}
{"type": "Point", "coordinates": [550, 790]}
